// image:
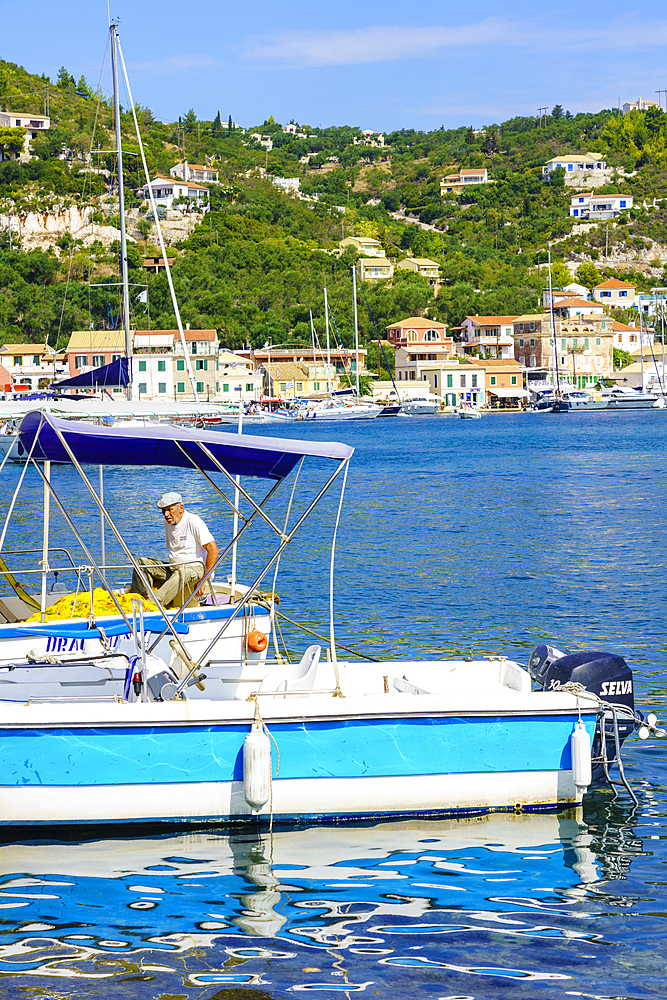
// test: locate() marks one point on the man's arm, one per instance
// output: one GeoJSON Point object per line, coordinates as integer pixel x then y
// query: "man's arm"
{"type": "Point", "coordinates": [212, 552]}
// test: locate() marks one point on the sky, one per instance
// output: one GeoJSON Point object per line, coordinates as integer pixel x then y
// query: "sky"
{"type": "Point", "coordinates": [377, 66]}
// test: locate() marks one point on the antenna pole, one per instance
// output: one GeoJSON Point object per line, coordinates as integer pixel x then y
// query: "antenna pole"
{"type": "Point", "coordinates": [553, 327]}
{"type": "Point", "coordinates": [121, 204]}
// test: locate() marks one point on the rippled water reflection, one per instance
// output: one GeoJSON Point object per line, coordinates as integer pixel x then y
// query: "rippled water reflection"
{"type": "Point", "coordinates": [489, 536]}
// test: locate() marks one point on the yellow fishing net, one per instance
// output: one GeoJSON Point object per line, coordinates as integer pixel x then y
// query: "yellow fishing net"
{"type": "Point", "coordinates": [103, 604]}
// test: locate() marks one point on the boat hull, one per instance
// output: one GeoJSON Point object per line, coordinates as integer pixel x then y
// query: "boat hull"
{"type": "Point", "coordinates": [183, 762]}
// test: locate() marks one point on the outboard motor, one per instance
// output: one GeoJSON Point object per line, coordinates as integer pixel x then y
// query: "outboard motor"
{"type": "Point", "coordinates": [604, 674]}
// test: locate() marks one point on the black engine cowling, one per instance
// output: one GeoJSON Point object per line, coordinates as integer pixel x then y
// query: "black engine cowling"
{"type": "Point", "coordinates": [604, 674]}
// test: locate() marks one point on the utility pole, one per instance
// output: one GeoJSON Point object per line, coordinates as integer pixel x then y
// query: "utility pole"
{"type": "Point", "coordinates": [659, 92]}
{"type": "Point", "coordinates": [542, 113]}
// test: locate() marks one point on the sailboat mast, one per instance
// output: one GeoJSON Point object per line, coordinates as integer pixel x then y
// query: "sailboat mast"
{"type": "Point", "coordinates": [553, 327]}
{"type": "Point", "coordinates": [356, 324]}
{"type": "Point", "coordinates": [326, 316]}
{"type": "Point", "coordinates": [121, 204]}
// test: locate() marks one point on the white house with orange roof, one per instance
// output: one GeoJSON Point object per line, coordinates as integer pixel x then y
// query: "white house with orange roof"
{"type": "Point", "coordinates": [573, 306]}
{"type": "Point", "coordinates": [418, 330]}
{"type": "Point", "coordinates": [615, 293]}
{"type": "Point", "coordinates": [167, 190]}
{"type": "Point", "coordinates": [196, 172]}
{"type": "Point", "coordinates": [599, 206]}
{"type": "Point", "coordinates": [490, 335]}
{"type": "Point", "coordinates": [466, 177]}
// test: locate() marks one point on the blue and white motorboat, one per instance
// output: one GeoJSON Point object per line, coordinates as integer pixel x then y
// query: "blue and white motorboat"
{"type": "Point", "coordinates": [174, 719]}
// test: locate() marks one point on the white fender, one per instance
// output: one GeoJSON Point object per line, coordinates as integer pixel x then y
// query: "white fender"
{"type": "Point", "coordinates": [580, 746]}
{"type": "Point", "coordinates": [257, 767]}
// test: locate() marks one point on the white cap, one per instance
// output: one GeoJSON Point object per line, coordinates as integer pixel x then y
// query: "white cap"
{"type": "Point", "coordinates": [168, 499]}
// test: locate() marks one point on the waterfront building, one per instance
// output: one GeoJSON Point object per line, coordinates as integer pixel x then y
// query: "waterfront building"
{"type": "Point", "coordinates": [504, 382]}
{"type": "Point", "coordinates": [488, 336]}
{"type": "Point", "coordinates": [584, 347]}
{"type": "Point", "coordinates": [456, 380]}
{"type": "Point", "coordinates": [29, 364]}
{"type": "Point", "coordinates": [418, 331]}
{"type": "Point", "coordinates": [412, 360]}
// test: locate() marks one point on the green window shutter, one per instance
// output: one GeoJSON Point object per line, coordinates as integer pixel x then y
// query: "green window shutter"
{"type": "Point", "coordinates": [200, 386]}
{"type": "Point", "coordinates": [450, 381]}
{"type": "Point", "coordinates": [162, 366]}
{"type": "Point", "coordinates": [180, 387]}
{"type": "Point", "coordinates": [142, 366]}
{"type": "Point", "coordinates": [180, 365]}
{"type": "Point", "coordinates": [225, 386]}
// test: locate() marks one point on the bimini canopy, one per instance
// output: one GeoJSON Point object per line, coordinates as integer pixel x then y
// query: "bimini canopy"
{"type": "Point", "coordinates": [267, 458]}
{"type": "Point", "coordinates": [111, 375]}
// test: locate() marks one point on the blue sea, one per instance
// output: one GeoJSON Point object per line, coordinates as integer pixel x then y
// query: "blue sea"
{"type": "Point", "coordinates": [455, 537]}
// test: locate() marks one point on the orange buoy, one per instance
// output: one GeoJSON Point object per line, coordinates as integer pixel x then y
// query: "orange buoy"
{"type": "Point", "coordinates": [257, 641]}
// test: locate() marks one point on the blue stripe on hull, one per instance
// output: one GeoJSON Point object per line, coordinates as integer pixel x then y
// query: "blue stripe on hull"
{"type": "Point", "coordinates": [349, 748]}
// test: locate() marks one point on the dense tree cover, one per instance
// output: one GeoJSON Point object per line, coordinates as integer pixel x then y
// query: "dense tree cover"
{"type": "Point", "coordinates": [256, 265]}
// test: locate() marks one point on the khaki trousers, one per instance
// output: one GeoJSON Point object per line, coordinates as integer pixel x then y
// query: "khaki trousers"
{"type": "Point", "coordinates": [172, 585]}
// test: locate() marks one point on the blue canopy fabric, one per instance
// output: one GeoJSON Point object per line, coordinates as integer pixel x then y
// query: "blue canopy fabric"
{"type": "Point", "coordinates": [266, 458]}
{"type": "Point", "coordinates": [114, 374]}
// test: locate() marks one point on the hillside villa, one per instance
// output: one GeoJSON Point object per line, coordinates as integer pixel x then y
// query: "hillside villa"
{"type": "Point", "coordinates": [599, 206]}
{"type": "Point", "coordinates": [615, 293]}
{"type": "Point", "coordinates": [417, 330]}
{"type": "Point", "coordinates": [490, 335]}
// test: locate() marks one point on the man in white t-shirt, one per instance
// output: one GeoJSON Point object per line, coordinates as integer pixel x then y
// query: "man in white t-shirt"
{"type": "Point", "coordinates": [192, 553]}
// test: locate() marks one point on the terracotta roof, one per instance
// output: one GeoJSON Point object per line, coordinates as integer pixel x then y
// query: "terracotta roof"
{"type": "Point", "coordinates": [574, 301]}
{"type": "Point", "coordinates": [614, 283]}
{"type": "Point", "coordinates": [623, 328]}
{"type": "Point", "coordinates": [491, 320]}
{"type": "Point", "coordinates": [418, 323]}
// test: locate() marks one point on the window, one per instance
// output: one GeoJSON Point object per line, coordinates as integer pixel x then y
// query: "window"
{"type": "Point", "coordinates": [142, 366]}
{"type": "Point", "coordinates": [533, 361]}
{"type": "Point", "coordinates": [492, 380]}
{"type": "Point", "coordinates": [622, 204]}
{"type": "Point", "coordinates": [142, 387]}
{"type": "Point", "coordinates": [200, 386]}
{"type": "Point", "coordinates": [597, 341]}
{"type": "Point", "coordinates": [575, 342]}
{"type": "Point", "coordinates": [575, 213]}
{"type": "Point", "coordinates": [283, 386]}
{"type": "Point", "coordinates": [249, 386]}
{"type": "Point", "coordinates": [435, 381]}
{"type": "Point", "coordinates": [162, 366]}
{"type": "Point", "coordinates": [532, 326]}
{"type": "Point", "coordinates": [316, 385]}
{"type": "Point", "coordinates": [521, 329]}
{"type": "Point", "coordinates": [299, 387]}
{"type": "Point", "coordinates": [513, 380]}
{"type": "Point", "coordinates": [562, 362]}
{"type": "Point", "coordinates": [474, 381]}
{"type": "Point", "coordinates": [162, 387]}
{"type": "Point", "coordinates": [586, 343]}
{"type": "Point", "coordinates": [80, 361]}
{"type": "Point", "coordinates": [521, 341]}
{"type": "Point", "coordinates": [605, 295]}
{"type": "Point", "coordinates": [98, 360]}
{"type": "Point", "coordinates": [180, 364]}
{"type": "Point", "coordinates": [115, 357]}
{"type": "Point", "coordinates": [431, 335]}
{"type": "Point", "coordinates": [623, 294]}
{"type": "Point", "coordinates": [522, 361]}
{"type": "Point", "coordinates": [18, 360]}
{"type": "Point", "coordinates": [450, 381]}
{"type": "Point", "coordinates": [193, 347]}
{"type": "Point", "coordinates": [563, 344]}
{"type": "Point", "coordinates": [180, 387]}
{"type": "Point", "coordinates": [36, 359]}
{"type": "Point", "coordinates": [532, 342]}
{"type": "Point", "coordinates": [463, 381]}
{"type": "Point", "coordinates": [201, 365]}
{"type": "Point", "coordinates": [225, 386]}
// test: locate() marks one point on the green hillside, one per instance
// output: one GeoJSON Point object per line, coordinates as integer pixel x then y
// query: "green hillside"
{"type": "Point", "coordinates": [256, 265]}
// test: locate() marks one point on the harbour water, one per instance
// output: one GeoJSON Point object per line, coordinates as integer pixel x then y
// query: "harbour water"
{"type": "Point", "coordinates": [457, 536]}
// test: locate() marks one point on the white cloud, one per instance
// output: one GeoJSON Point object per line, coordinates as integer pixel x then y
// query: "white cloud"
{"type": "Point", "coordinates": [391, 42]}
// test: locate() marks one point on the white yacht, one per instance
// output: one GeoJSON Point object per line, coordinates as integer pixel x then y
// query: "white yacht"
{"type": "Point", "coordinates": [420, 405]}
{"type": "Point", "coordinates": [618, 398]}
